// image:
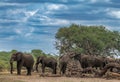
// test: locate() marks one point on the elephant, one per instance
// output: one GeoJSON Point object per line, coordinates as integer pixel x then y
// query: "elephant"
{"type": "Point", "coordinates": [63, 61]}
{"type": "Point", "coordinates": [47, 62]}
{"type": "Point", "coordinates": [88, 70]}
{"type": "Point", "coordinates": [91, 61]}
{"type": "Point", "coordinates": [25, 60]}
{"type": "Point", "coordinates": [99, 62]}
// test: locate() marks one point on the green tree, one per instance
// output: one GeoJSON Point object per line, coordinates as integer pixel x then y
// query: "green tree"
{"type": "Point", "coordinates": [37, 52]}
{"type": "Point", "coordinates": [13, 51]}
{"type": "Point", "coordinates": [91, 40]}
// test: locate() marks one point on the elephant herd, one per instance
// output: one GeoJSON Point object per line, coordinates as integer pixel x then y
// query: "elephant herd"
{"type": "Point", "coordinates": [87, 62]}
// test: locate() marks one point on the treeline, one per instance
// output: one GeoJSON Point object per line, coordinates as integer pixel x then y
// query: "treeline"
{"type": "Point", "coordinates": [5, 57]}
{"type": "Point", "coordinates": [89, 40]}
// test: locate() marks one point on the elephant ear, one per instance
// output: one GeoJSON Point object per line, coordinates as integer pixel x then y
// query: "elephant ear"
{"type": "Point", "coordinates": [19, 56]}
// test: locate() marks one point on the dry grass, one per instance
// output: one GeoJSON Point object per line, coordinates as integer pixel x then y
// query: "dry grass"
{"type": "Point", "coordinates": [6, 77]}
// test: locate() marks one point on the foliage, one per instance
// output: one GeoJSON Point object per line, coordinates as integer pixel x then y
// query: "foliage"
{"type": "Point", "coordinates": [37, 52]}
{"type": "Point", "coordinates": [92, 40]}
{"type": "Point", "coordinates": [2, 66]}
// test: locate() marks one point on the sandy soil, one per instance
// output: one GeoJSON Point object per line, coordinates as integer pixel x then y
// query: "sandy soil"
{"type": "Point", "coordinates": [6, 77]}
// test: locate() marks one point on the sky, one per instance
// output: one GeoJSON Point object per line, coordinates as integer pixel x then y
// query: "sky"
{"type": "Point", "coordinates": [32, 24]}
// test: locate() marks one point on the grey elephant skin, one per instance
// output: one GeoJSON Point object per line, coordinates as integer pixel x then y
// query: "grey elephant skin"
{"type": "Point", "coordinates": [25, 60]}
{"type": "Point", "coordinates": [63, 61]}
{"type": "Point", "coordinates": [47, 62]}
{"type": "Point", "coordinates": [92, 61]}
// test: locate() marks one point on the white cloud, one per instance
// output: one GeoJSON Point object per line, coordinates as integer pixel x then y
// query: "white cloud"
{"type": "Point", "coordinates": [56, 6]}
{"type": "Point", "coordinates": [9, 21]}
{"type": "Point", "coordinates": [9, 38]}
{"type": "Point", "coordinates": [46, 20]}
{"type": "Point", "coordinates": [18, 31]}
{"type": "Point", "coordinates": [115, 14]}
{"type": "Point", "coordinates": [24, 32]}
{"type": "Point", "coordinates": [58, 22]}
{"type": "Point", "coordinates": [29, 33]}
{"type": "Point", "coordinates": [11, 4]}
{"type": "Point", "coordinates": [31, 13]}
{"type": "Point", "coordinates": [17, 13]}
{"type": "Point", "coordinates": [6, 39]}
{"type": "Point", "coordinates": [94, 1]}
{"type": "Point", "coordinates": [53, 21]}
{"type": "Point", "coordinates": [103, 22]}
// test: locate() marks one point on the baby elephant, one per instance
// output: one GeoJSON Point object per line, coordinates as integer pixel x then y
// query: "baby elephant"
{"type": "Point", "coordinates": [47, 62]}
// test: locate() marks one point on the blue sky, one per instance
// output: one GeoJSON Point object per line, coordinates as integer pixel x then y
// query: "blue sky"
{"type": "Point", "coordinates": [32, 24]}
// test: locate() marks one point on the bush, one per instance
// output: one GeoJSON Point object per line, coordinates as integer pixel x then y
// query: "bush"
{"type": "Point", "coordinates": [2, 65]}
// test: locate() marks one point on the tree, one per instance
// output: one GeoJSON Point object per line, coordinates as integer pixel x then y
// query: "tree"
{"type": "Point", "coordinates": [91, 40]}
{"type": "Point", "coordinates": [13, 51]}
{"type": "Point", "coordinates": [37, 52]}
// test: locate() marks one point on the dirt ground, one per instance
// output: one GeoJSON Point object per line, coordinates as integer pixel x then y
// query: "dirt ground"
{"type": "Point", "coordinates": [6, 77]}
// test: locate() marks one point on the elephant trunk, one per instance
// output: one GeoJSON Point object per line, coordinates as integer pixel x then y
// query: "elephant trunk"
{"type": "Point", "coordinates": [11, 65]}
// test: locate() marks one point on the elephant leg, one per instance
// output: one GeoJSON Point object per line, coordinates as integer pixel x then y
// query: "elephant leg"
{"type": "Point", "coordinates": [64, 69]}
{"type": "Point", "coordinates": [54, 70]}
{"type": "Point", "coordinates": [36, 67]}
{"type": "Point", "coordinates": [60, 71]}
{"type": "Point", "coordinates": [19, 66]}
{"type": "Point", "coordinates": [43, 69]}
{"type": "Point", "coordinates": [28, 71]}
